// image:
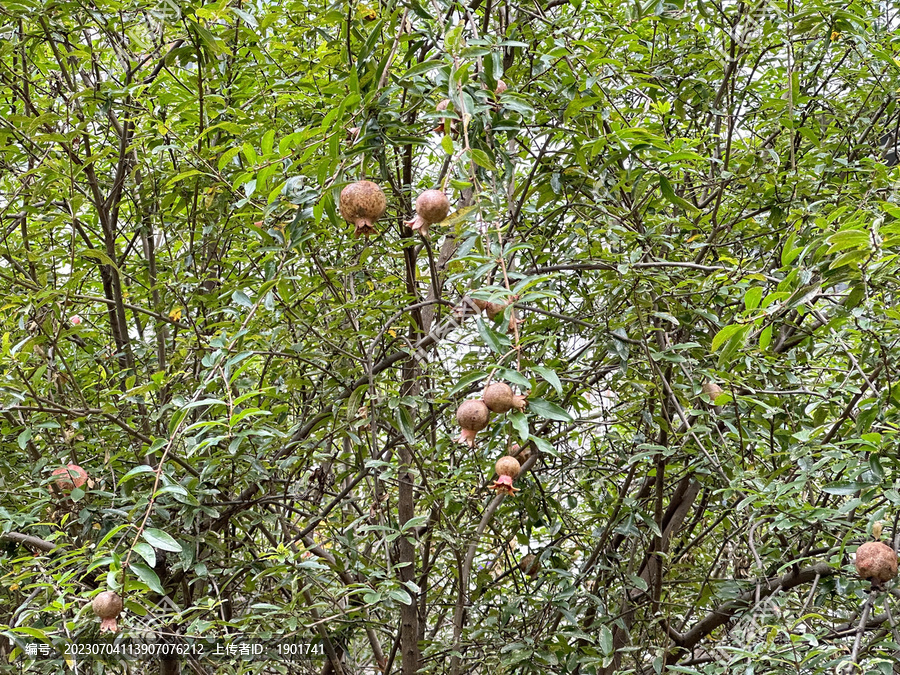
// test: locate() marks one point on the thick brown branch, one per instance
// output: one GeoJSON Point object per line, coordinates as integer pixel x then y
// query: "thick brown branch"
{"type": "Point", "coordinates": [724, 612]}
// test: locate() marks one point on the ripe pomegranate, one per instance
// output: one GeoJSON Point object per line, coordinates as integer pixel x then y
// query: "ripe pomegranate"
{"type": "Point", "coordinates": [472, 416]}
{"type": "Point", "coordinates": [432, 207]}
{"type": "Point", "coordinates": [495, 308]}
{"type": "Point", "coordinates": [362, 203]}
{"type": "Point", "coordinates": [466, 308]}
{"type": "Point", "coordinates": [75, 477]}
{"type": "Point", "coordinates": [75, 320]}
{"type": "Point", "coordinates": [507, 469]}
{"type": "Point", "coordinates": [519, 453]}
{"type": "Point", "coordinates": [108, 605]}
{"type": "Point", "coordinates": [530, 565]}
{"type": "Point", "coordinates": [711, 391]}
{"type": "Point", "coordinates": [876, 562]}
{"type": "Point", "coordinates": [499, 397]}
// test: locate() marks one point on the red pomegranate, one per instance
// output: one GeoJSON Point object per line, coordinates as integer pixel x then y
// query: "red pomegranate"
{"type": "Point", "coordinates": [108, 605]}
{"type": "Point", "coordinates": [472, 416]}
{"type": "Point", "coordinates": [499, 398]}
{"type": "Point", "coordinates": [876, 562]}
{"type": "Point", "coordinates": [508, 469]}
{"type": "Point", "coordinates": [362, 203]}
{"type": "Point", "coordinates": [432, 207]}
{"type": "Point", "coordinates": [75, 477]}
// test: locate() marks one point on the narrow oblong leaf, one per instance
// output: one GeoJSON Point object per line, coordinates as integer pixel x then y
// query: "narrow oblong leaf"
{"type": "Point", "coordinates": [148, 576]}
{"type": "Point", "coordinates": [159, 539]}
{"type": "Point", "coordinates": [724, 335]}
{"type": "Point", "coordinates": [547, 410]}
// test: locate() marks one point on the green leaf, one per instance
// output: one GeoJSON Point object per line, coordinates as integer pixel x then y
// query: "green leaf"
{"type": "Point", "coordinates": [241, 298]}
{"type": "Point", "coordinates": [848, 239]}
{"type": "Point", "coordinates": [765, 338]}
{"type": "Point", "coordinates": [845, 487]}
{"type": "Point", "coordinates": [481, 159]}
{"type": "Point", "coordinates": [513, 377]}
{"type": "Point", "coordinates": [490, 337]}
{"type": "Point", "coordinates": [670, 195]}
{"type": "Point", "coordinates": [112, 533]}
{"type": "Point", "coordinates": [724, 335]}
{"type": "Point", "coordinates": [136, 471]}
{"type": "Point", "coordinates": [550, 376]}
{"type": "Point", "coordinates": [848, 258]}
{"type": "Point", "coordinates": [23, 438]}
{"type": "Point", "coordinates": [422, 68]}
{"type": "Point", "coordinates": [447, 144]}
{"type": "Point", "coordinates": [606, 640]}
{"type": "Point", "coordinates": [520, 423]}
{"type": "Point", "coordinates": [159, 539]}
{"type": "Point", "coordinates": [404, 420]}
{"type": "Point", "coordinates": [466, 382]}
{"type": "Point", "coordinates": [181, 176]}
{"type": "Point", "coordinates": [788, 252]}
{"type": "Point", "coordinates": [97, 254]}
{"type": "Point", "coordinates": [415, 521]}
{"type": "Point", "coordinates": [752, 297]}
{"type": "Point", "coordinates": [548, 410]}
{"type": "Point", "coordinates": [148, 576]}
{"type": "Point", "coordinates": [146, 551]}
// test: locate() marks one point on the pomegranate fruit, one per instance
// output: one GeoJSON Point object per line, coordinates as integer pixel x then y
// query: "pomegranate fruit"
{"type": "Point", "coordinates": [499, 398]}
{"type": "Point", "coordinates": [362, 203]}
{"type": "Point", "coordinates": [876, 562]}
{"type": "Point", "coordinates": [432, 207]}
{"type": "Point", "coordinates": [494, 308]}
{"type": "Point", "coordinates": [108, 605]}
{"type": "Point", "coordinates": [472, 416]}
{"type": "Point", "coordinates": [507, 469]}
{"type": "Point", "coordinates": [442, 107]}
{"type": "Point", "coordinates": [72, 476]}
{"type": "Point", "coordinates": [530, 565]}
{"type": "Point", "coordinates": [75, 320]}
{"type": "Point", "coordinates": [519, 453]}
{"type": "Point", "coordinates": [711, 391]}
{"type": "Point", "coordinates": [501, 87]}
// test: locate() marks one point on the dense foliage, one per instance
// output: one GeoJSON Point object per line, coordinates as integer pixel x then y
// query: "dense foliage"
{"type": "Point", "coordinates": [667, 195]}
